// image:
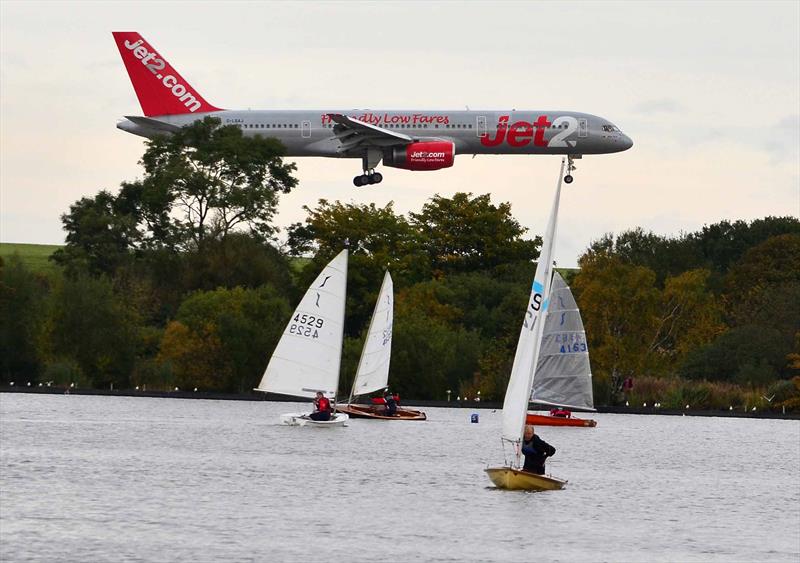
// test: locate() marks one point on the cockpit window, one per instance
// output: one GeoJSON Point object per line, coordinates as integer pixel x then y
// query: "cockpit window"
{"type": "Point", "coordinates": [610, 129]}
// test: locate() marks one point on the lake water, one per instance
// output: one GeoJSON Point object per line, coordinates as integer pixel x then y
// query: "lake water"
{"type": "Point", "coordinates": [87, 478]}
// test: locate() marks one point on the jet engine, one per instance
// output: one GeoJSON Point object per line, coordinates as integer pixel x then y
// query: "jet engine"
{"type": "Point", "coordinates": [424, 155]}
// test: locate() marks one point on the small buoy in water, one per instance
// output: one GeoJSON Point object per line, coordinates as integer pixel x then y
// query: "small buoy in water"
{"type": "Point", "coordinates": [753, 409]}
{"type": "Point", "coordinates": [730, 408]}
{"type": "Point", "coordinates": [71, 385]}
{"type": "Point", "coordinates": [195, 388]}
{"type": "Point", "coordinates": [176, 389]}
{"type": "Point", "coordinates": [474, 418]}
{"type": "Point", "coordinates": [12, 384]}
{"type": "Point", "coordinates": [40, 385]}
{"type": "Point", "coordinates": [644, 404]}
{"type": "Point", "coordinates": [626, 404]}
{"type": "Point", "coordinates": [137, 387]}
{"type": "Point", "coordinates": [458, 398]}
{"type": "Point", "coordinates": [687, 406]}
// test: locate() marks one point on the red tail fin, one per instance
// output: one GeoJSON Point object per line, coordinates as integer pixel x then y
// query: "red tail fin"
{"type": "Point", "coordinates": [159, 87]}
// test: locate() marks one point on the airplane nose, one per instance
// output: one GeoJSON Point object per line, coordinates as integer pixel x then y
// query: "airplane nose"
{"type": "Point", "coordinates": [627, 142]}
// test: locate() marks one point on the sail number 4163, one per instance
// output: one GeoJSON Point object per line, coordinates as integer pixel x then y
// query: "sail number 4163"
{"type": "Point", "coordinates": [306, 325]}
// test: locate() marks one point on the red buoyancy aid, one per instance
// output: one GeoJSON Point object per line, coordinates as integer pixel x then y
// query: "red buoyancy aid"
{"type": "Point", "coordinates": [324, 405]}
{"type": "Point", "coordinates": [378, 401]}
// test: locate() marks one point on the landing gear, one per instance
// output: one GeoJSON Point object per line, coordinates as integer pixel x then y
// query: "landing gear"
{"type": "Point", "coordinates": [368, 178]}
{"type": "Point", "coordinates": [570, 167]}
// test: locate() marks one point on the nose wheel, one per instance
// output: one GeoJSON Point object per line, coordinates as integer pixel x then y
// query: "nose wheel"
{"type": "Point", "coordinates": [570, 167]}
{"type": "Point", "coordinates": [368, 178]}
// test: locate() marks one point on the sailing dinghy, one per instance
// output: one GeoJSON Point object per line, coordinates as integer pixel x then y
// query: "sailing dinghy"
{"type": "Point", "coordinates": [515, 405]}
{"type": "Point", "coordinates": [373, 367]}
{"type": "Point", "coordinates": [563, 376]}
{"type": "Point", "coordinates": [309, 354]}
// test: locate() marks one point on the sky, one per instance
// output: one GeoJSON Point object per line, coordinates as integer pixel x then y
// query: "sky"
{"type": "Point", "coordinates": [708, 91]}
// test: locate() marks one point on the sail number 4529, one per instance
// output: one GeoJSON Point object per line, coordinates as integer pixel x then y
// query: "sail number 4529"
{"type": "Point", "coordinates": [306, 325]}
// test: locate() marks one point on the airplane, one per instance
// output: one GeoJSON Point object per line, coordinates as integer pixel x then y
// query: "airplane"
{"type": "Point", "coordinates": [419, 140]}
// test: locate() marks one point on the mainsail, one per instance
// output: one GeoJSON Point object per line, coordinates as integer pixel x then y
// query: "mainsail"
{"type": "Point", "coordinates": [308, 356]}
{"type": "Point", "coordinates": [373, 367]}
{"type": "Point", "coordinates": [515, 404]}
{"type": "Point", "coordinates": [563, 375]}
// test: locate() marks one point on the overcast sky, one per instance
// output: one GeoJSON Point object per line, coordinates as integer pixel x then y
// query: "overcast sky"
{"type": "Point", "coordinates": [709, 92]}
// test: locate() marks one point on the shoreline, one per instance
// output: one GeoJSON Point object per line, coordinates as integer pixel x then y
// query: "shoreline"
{"type": "Point", "coordinates": [482, 405]}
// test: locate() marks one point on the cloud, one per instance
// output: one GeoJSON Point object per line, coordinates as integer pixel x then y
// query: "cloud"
{"type": "Point", "coordinates": [664, 105]}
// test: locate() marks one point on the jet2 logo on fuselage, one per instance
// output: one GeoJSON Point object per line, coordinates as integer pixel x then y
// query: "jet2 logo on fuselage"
{"type": "Point", "coordinates": [521, 133]}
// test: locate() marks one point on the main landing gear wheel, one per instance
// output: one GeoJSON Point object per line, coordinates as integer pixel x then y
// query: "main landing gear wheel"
{"type": "Point", "coordinates": [568, 179]}
{"type": "Point", "coordinates": [367, 179]}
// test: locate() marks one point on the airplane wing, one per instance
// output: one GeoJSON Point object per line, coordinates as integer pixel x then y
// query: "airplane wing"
{"type": "Point", "coordinates": [355, 134]}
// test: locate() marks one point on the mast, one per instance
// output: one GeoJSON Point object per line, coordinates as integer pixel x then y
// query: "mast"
{"type": "Point", "coordinates": [520, 384]}
{"type": "Point", "coordinates": [344, 309]}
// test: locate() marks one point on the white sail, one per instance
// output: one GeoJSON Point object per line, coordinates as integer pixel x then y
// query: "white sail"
{"type": "Point", "coordinates": [308, 355]}
{"type": "Point", "coordinates": [515, 404]}
{"type": "Point", "coordinates": [373, 367]}
{"type": "Point", "coordinates": [563, 375]}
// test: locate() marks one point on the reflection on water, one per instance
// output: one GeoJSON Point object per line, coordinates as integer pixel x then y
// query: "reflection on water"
{"type": "Point", "coordinates": [121, 479]}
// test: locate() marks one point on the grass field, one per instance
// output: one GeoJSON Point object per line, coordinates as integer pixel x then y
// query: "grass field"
{"type": "Point", "coordinates": [34, 256]}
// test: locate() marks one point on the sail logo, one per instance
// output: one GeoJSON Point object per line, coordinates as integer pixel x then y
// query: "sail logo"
{"type": "Point", "coordinates": [154, 64]}
{"type": "Point", "coordinates": [536, 301]}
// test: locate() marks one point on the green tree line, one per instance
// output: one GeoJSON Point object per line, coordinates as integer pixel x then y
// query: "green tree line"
{"type": "Point", "coordinates": [176, 280]}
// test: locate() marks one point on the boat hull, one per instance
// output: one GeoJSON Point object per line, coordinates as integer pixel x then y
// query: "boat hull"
{"type": "Point", "coordinates": [367, 411]}
{"type": "Point", "coordinates": [301, 419]}
{"type": "Point", "coordinates": [517, 480]}
{"type": "Point", "coordinates": [547, 420]}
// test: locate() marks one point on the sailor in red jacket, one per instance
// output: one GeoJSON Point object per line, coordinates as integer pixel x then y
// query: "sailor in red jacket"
{"type": "Point", "coordinates": [322, 408]}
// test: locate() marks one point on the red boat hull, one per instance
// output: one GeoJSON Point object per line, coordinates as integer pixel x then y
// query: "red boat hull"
{"type": "Point", "coordinates": [547, 420]}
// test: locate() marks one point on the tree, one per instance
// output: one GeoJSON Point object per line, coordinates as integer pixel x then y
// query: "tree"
{"type": "Point", "coordinates": [90, 325]}
{"type": "Point", "coordinates": [748, 354]}
{"type": "Point", "coordinates": [465, 234]}
{"type": "Point", "coordinates": [202, 182]}
{"type": "Point", "coordinates": [723, 243]}
{"type": "Point", "coordinates": [221, 339]}
{"type": "Point", "coordinates": [765, 283]}
{"type": "Point", "coordinates": [429, 357]}
{"type": "Point", "coordinates": [690, 316]}
{"type": "Point", "coordinates": [22, 313]}
{"type": "Point", "coordinates": [238, 259]}
{"type": "Point", "coordinates": [619, 303]}
{"type": "Point", "coordinates": [100, 235]}
{"type": "Point", "coordinates": [217, 179]}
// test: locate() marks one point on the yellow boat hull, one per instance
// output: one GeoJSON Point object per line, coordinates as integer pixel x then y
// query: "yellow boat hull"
{"type": "Point", "coordinates": [516, 480]}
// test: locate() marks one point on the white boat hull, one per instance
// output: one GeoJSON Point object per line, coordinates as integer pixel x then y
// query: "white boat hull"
{"type": "Point", "coordinates": [301, 419]}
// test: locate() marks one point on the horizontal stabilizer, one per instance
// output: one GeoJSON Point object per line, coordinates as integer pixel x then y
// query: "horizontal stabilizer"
{"type": "Point", "coordinates": [153, 123]}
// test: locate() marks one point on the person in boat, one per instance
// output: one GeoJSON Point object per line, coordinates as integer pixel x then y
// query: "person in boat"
{"type": "Point", "coordinates": [536, 451]}
{"type": "Point", "coordinates": [322, 408]}
{"type": "Point", "coordinates": [391, 404]}
{"type": "Point", "coordinates": [560, 412]}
